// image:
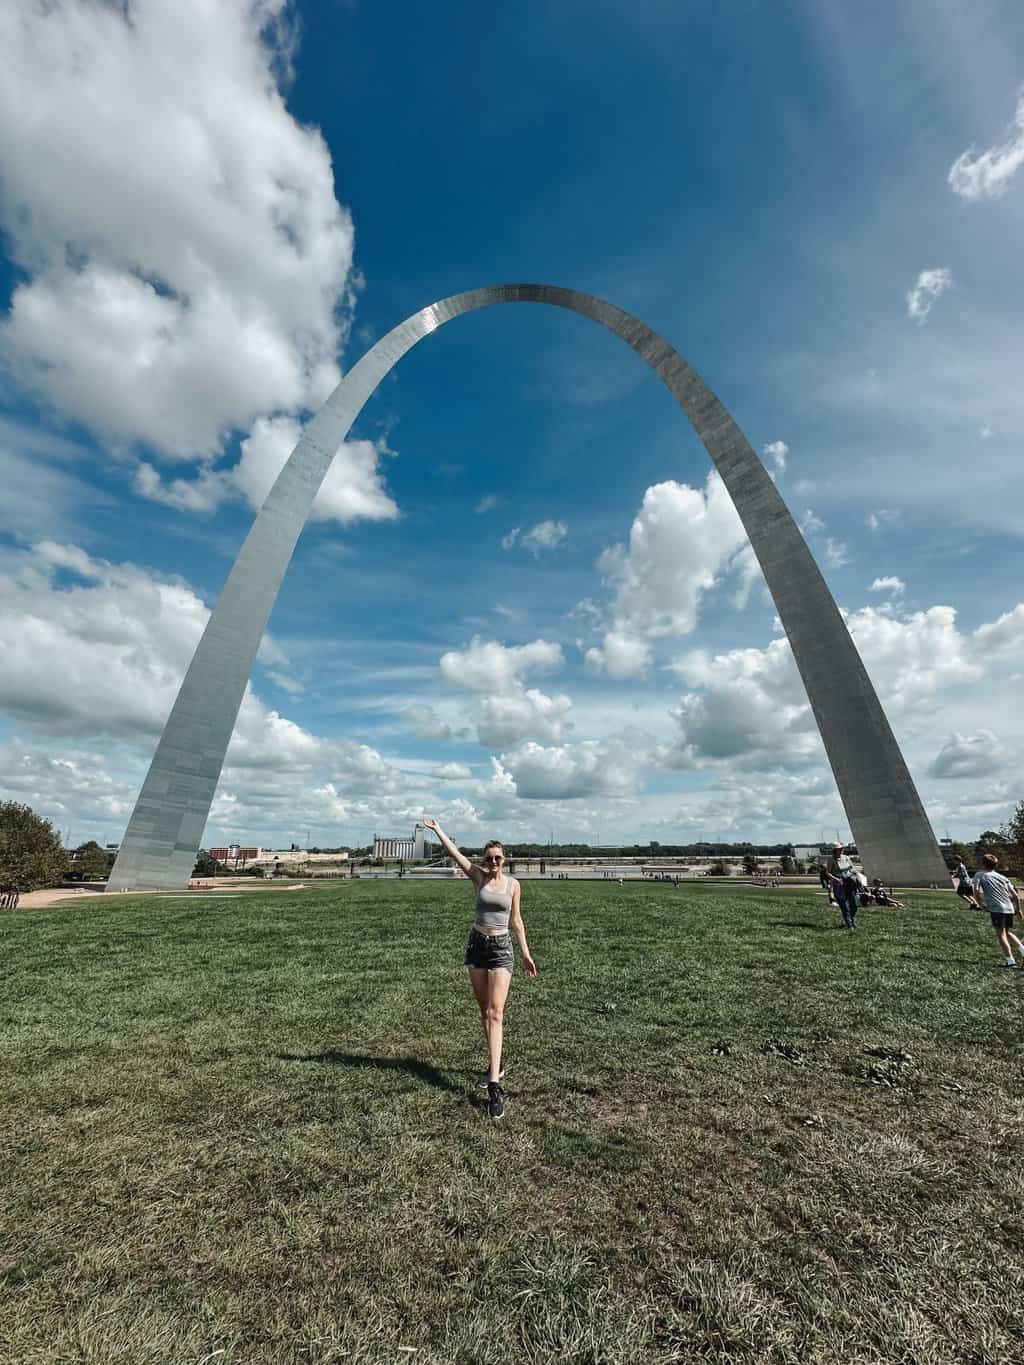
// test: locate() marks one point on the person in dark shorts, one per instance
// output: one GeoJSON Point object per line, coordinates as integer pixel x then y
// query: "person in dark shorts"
{"type": "Point", "coordinates": [489, 954]}
{"type": "Point", "coordinates": [999, 897]}
{"type": "Point", "coordinates": [964, 888]}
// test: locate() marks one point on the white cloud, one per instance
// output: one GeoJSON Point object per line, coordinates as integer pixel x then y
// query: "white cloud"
{"type": "Point", "coordinates": [506, 711]}
{"type": "Point", "coordinates": [488, 666]}
{"type": "Point", "coordinates": [987, 175]}
{"type": "Point", "coordinates": [486, 504]}
{"type": "Point", "coordinates": [621, 656]}
{"type": "Point", "coordinates": [890, 584]}
{"type": "Point", "coordinates": [964, 756]}
{"type": "Point", "coordinates": [748, 707]}
{"type": "Point", "coordinates": [837, 553]}
{"type": "Point", "coordinates": [509, 540]}
{"type": "Point", "coordinates": [546, 535]}
{"type": "Point", "coordinates": [810, 523]}
{"type": "Point", "coordinates": [680, 540]}
{"type": "Point", "coordinates": [353, 489]}
{"type": "Point", "coordinates": [777, 452]}
{"type": "Point", "coordinates": [173, 225]}
{"type": "Point", "coordinates": [1003, 636]}
{"type": "Point", "coordinates": [452, 772]}
{"type": "Point", "coordinates": [562, 772]}
{"type": "Point", "coordinates": [881, 516]}
{"type": "Point", "coordinates": [425, 723]}
{"type": "Point", "coordinates": [985, 432]}
{"type": "Point", "coordinates": [508, 717]}
{"type": "Point", "coordinates": [930, 286]}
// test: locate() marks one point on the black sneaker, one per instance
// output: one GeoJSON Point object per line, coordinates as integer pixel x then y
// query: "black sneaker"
{"type": "Point", "coordinates": [483, 1080]}
{"type": "Point", "coordinates": [495, 1100]}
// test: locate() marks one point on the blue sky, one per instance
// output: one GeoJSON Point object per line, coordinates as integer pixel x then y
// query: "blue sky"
{"type": "Point", "coordinates": [524, 605]}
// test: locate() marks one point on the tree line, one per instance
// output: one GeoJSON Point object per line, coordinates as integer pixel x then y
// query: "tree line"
{"type": "Point", "coordinates": [32, 856]}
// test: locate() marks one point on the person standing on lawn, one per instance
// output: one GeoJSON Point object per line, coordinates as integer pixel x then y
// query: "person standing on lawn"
{"type": "Point", "coordinates": [489, 954]}
{"type": "Point", "coordinates": [999, 897]}
{"type": "Point", "coordinates": [842, 875]}
{"type": "Point", "coordinates": [964, 889]}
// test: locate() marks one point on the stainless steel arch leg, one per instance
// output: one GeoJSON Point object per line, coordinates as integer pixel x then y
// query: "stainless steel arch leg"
{"type": "Point", "coordinates": [884, 810]}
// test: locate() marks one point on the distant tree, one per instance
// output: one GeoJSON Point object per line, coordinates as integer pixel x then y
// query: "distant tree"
{"type": "Point", "coordinates": [718, 869]}
{"type": "Point", "coordinates": [31, 855]}
{"type": "Point", "coordinates": [991, 838]}
{"type": "Point", "coordinates": [90, 863]}
{"type": "Point", "coordinates": [750, 864]}
{"type": "Point", "coordinates": [788, 864]}
{"type": "Point", "coordinates": [1013, 834]}
{"type": "Point", "coordinates": [956, 852]}
{"type": "Point", "coordinates": [206, 864]}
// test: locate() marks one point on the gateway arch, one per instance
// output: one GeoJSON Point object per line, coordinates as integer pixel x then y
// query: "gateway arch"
{"type": "Point", "coordinates": [883, 808]}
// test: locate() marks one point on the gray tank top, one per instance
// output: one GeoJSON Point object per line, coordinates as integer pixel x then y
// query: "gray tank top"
{"type": "Point", "coordinates": [493, 907]}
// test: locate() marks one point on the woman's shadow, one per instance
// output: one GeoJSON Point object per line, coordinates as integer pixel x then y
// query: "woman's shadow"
{"type": "Point", "coordinates": [423, 1071]}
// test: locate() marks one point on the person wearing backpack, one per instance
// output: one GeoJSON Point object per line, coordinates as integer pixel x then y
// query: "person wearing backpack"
{"type": "Point", "coordinates": [845, 886]}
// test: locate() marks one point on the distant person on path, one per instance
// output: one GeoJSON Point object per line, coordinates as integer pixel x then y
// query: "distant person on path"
{"type": "Point", "coordinates": [999, 897]}
{"type": "Point", "coordinates": [845, 885]}
{"type": "Point", "coordinates": [826, 882]}
{"type": "Point", "coordinates": [489, 954]}
{"type": "Point", "coordinates": [964, 888]}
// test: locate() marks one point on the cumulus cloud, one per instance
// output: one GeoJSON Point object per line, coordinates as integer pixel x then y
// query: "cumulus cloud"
{"type": "Point", "coordinates": [621, 656]}
{"type": "Point", "coordinates": [352, 490]}
{"type": "Point", "coordinates": [486, 504]}
{"type": "Point", "coordinates": [196, 251]}
{"type": "Point", "coordinates": [837, 553]}
{"type": "Point", "coordinates": [506, 710]}
{"type": "Point", "coordinates": [507, 717]}
{"type": "Point", "coordinates": [489, 666]}
{"type": "Point", "coordinates": [777, 452]}
{"type": "Point", "coordinates": [95, 651]}
{"type": "Point", "coordinates": [881, 516]}
{"type": "Point", "coordinates": [890, 584]}
{"type": "Point", "coordinates": [680, 540]}
{"type": "Point", "coordinates": [748, 707]}
{"type": "Point", "coordinates": [452, 772]}
{"type": "Point", "coordinates": [425, 723]}
{"type": "Point", "coordinates": [987, 175]}
{"type": "Point", "coordinates": [964, 756]}
{"type": "Point", "coordinates": [1003, 636]}
{"type": "Point", "coordinates": [930, 286]}
{"type": "Point", "coordinates": [546, 535]}
{"type": "Point", "coordinates": [562, 772]}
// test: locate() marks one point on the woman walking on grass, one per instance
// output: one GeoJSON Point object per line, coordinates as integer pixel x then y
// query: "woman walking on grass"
{"type": "Point", "coordinates": [489, 954]}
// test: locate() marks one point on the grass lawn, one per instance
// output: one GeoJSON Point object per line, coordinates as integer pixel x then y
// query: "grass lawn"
{"type": "Point", "coordinates": [244, 1129]}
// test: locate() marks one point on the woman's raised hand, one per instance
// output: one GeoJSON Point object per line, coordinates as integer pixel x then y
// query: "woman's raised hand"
{"type": "Point", "coordinates": [428, 822]}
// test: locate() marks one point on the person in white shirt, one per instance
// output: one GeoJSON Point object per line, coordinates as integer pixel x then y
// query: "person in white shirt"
{"type": "Point", "coordinates": [999, 897]}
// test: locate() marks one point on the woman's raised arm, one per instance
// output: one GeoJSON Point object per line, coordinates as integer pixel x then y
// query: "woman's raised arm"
{"type": "Point", "coordinates": [470, 869]}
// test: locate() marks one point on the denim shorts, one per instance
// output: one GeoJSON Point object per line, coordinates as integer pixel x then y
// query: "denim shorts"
{"type": "Point", "coordinates": [493, 951]}
{"type": "Point", "coordinates": [1000, 919]}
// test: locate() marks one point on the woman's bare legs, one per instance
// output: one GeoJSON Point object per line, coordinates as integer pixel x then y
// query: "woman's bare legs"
{"type": "Point", "coordinates": [478, 977]}
{"type": "Point", "coordinates": [498, 987]}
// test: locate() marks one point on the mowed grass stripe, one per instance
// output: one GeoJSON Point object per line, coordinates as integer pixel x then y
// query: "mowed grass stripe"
{"type": "Point", "coordinates": [734, 1131]}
